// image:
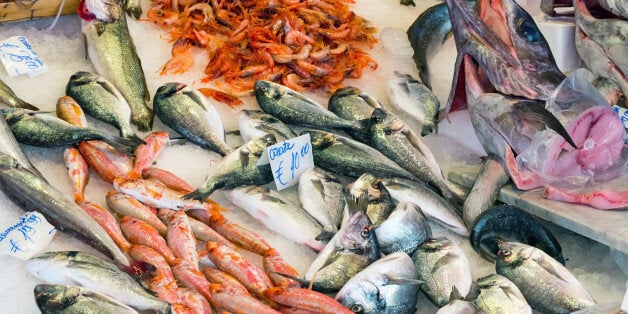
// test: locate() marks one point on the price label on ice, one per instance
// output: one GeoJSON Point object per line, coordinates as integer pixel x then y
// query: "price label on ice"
{"type": "Point", "coordinates": [27, 237]}
{"type": "Point", "coordinates": [288, 160]}
{"type": "Point", "coordinates": [18, 57]}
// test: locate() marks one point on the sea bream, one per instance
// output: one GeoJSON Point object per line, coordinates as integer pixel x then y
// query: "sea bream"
{"type": "Point", "coordinates": [322, 195]}
{"type": "Point", "coordinates": [412, 97]}
{"type": "Point", "coordinates": [353, 104]}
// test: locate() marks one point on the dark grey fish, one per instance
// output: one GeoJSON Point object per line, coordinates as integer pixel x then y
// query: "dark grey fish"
{"type": "Point", "coordinates": [256, 123]}
{"type": "Point", "coordinates": [76, 300]}
{"type": "Point", "coordinates": [42, 130]}
{"type": "Point", "coordinates": [8, 99]}
{"type": "Point", "coordinates": [495, 294]}
{"type": "Point", "coordinates": [188, 112]}
{"type": "Point", "coordinates": [352, 104]}
{"type": "Point", "coordinates": [507, 223]}
{"type": "Point", "coordinates": [404, 230]}
{"type": "Point", "coordinates": [237, 169]}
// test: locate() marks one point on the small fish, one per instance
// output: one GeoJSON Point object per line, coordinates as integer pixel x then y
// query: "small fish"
{"type": "Point", "coordinates": [107, 221]}
{"type": "Point", "coordinates": [238, 168]}
{"type": "Point", "coordinates": [121, 160]}
{"type": "Point", "coordinates": [125, 205]}
{"type": "Point", "coordinates": [352, 104]}
{"type": "Point", "coordinates": [8, 99]}
{"type": "Point", "coordinates": [433, 206]}
{"type": "Point", "coordinates": [494, 294]}
{"type": "Point", "coordinates": [351, 158]}
{"type": "Point", "coordinates": [322, 196]}
{"type": "Point", "coordinates": [228, 282]}
{"type": "Point", "coordinates": [188, 112]}
{"type": "Point", "coordinates": [145, 254]}
{"type": "Point", "coordinates": [238, 303]}
{"type": "Point", "coordinates": [195, 301]}
{"type": "Point", "coordinates": [444, 270]}
{"type": "Point", "coordinates": [42, 130]}
{"type": "Point", "coordinates": [69, 111]}
{"type": "Point", "coordinates": [275, 267]}
{"type": "Point", "coordinates": [91, 272]}
{"type": "Point", "coordinates": [141, 233]}
{"type": "Point", "coordinates": [156, 194]}
{"type": "Point", "coordinates": [100, 163]}
{"type": "Point", "coordinates": [255, 123]}
{"type": "Point", "coordinates": [101, 100]}
{"type": "Point", "coordinates": [279, 214]}
{"type": "Point", "coordinates": [78, 171]}
{"type": "Point", "coordinates": [378, 203]}
{"type": "Point", "coordinates": [546, 284]}
{"type": "Point", "coordinates": [68, 299]}
{"type": "Point", "coordinates": [404, 230]}
{"type": "Point", "coordinates": [412, 97]}
{"type": "Point", "coordinates": [146, 154]}
{"type": "Point", "coordinates": [389, 285]}
{"type": "Point", "coordinates": [306, 299]}
{"type": "Point", "coordinates": [293, 108]}
{"type": "Point", "coordinates": [201, 231]}
{"type": "Point", "coordinates": [168, 178]}
{"type": "Point", "coordinates": [459, 307]}
{"type": "Point", "coordinates": [180, 238]}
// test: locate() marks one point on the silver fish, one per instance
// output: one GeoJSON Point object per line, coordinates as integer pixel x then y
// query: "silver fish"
{"type": "Point", "coordinates": [8, 99]}
{"type": "Point", "coordinates": [59, 299]}
{"type": "Point", "coordinates": [79, 268]}
{"type": "Point", "coordinates": [404, 230]}
{"type": "Point", "coordinates": [255, 123]}
{"type": "Point", "coordinates": [459, 307]}
{"type": "Point", "coordinates": [495, 294]}
{"type": "Point", "coordinates": [546, 284]}
{"type": "Point", "coordinates": [322, 196]}
{"type": "Point", "coordinates": [610, 90]}
{"type": "Point", "coordinates": [444, 270]}
{"type": "Point", "coordinates": [434, 206]}
{"type": "Point", "coordinates": [9, 146]}
{"type": "Point", "coordinates": [412, 97]}
{"type": "Point", "coordinates": [352, 104]}
{"type": "Point", "coordinates": [278, 213]}
{"type": "Point", "coordinates": [369, 194]}
{"type": "Point", "coordinates": [491, 178]}
{"type": "Point", "coordinates": [386, 286]}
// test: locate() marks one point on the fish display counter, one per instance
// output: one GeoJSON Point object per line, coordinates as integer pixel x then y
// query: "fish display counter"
{"type": "Point", "coordinates": [438, 248]}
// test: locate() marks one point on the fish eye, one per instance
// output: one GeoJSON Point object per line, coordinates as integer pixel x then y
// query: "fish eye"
{"type": "Point", "coordinates": [528, 30]}
{"type": "Point", "coordinates": [505, 253]}
{"type": "Point", "coordinates": [357, 308]}
{"type": "Point", "coordinates": [365, 232]}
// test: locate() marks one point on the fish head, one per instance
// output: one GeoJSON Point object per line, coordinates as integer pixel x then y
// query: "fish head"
{"type": "Point", "coordinates": [436, 244]}
{"type": "Point", "coordinates": [8, 162]}
{"type": "Point", "coordinates": [512, 254]}
{"type": "Point", "coordinates": [168, 90]}
{"type": "Point", "coordinates": [266, 140]}
{"type": "Point", "coordinates": [270, 92]}
{"type": "Point", "coordinates": [369, 188]}
{"type": "Point", "coordinates": [383, 121]}
{"type": "Point", "coordinates": [358, 236]}
{"type": "Point", "coordinates": [51, 266]}
{"type": "Point", "coordinates": [82, 78]}
{"type": "Point", "coordinates": [320, 139]}
{"type": "Point", "coordinates": [346, 91]}
{"type": "Point", "coordinates": [362, 296]}
{"type": "Point", "coordinates": [55, 298]}
{"type": "Point", "coordinates": [508, 50]}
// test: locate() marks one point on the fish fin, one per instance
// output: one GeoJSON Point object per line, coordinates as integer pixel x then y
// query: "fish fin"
{"type": "Point", "coordinates": [493, 124]}
{"type": "Point", "coordinates": [403, 281]}
{"type": "Point", "coordinates": [474, 292]}
{"type": "Point", "coordinates": [443, 261]}
{"type": "Point", "coordinates": [244, 157]}
{"type": "Point", "coordinates": [197, 97]}
{"type": "Point", "coordinates": [109, 88]}
{"type": "Point", "coordinates": [122, 144]}
{"type": "Point", "coordinates": [324, 236]}
{"type": "Point", "coordinates": [197, 194]}
{"type": "Point", "coordinates": [415, 141]}
{"type": "Point", "coordinates": [177, 141]}
{"type": "Point", "coordinates": [535, 112]}
{"type": "Point", "coordinates": [455, 294]}
{"type": "Point", "coordinates": [369, 100]}
{"type": "Point", "coordinates": [273, 199]}
{"type": "Point", "coordinates": [510, 293]}
{"type": "Point", "coordinates": [540, 260]}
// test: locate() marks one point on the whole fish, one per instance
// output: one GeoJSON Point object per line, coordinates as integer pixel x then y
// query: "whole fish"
{"type": "Point", "coordinates": [322, 196]}
{"type": "Point", "coordinates": [496, 294]}
{"type": "Point", "coordinates": [147, 255]}
{"type": "Point", "coordinates": [201, 231]}
{"type": "Point", "coordinates": [389, 285]}
{"type": "Point", "coordinates": [404, 230]}
{"type": "Point", "coordinates": [485, 190]}
{"type": "Point", "coordinates": [91, 272]}
{"type": "Point", "coordinates": [68, 299]}
{"type": "Point", "coordinates": [255, 123]}
{"type": "Point", "coordinates": [368, 193]}
{"type": "Point", "coordinates": [141, 233]}
{"type": "Point", "coordinates": [146, 154]}
{"type": "Point", "coordinates": [393, 138]}
{"type": "Point", "coordinates": [412, 97]}
{"type": "Point", "coordinates": [192, 115]}
{"type": "Point", "coordinates": [294, 108]}
{"type": "Point", "coordinates": [351, 249]}
{"type": "Point", "coordinates": [8, 99]}
{"type": "Point", "coordinates": [180, 237]}
{"type": "Point", "coordinates": [30, 191]}
{"type": "Point", "coordinates": [101, 100]}
{"type": "Point", "coordinates": [459, 307]}
{"type": "Point", "coordinates": [433, 206]}
{"type": "Point", "coordinates": [156, 194]}
{"type": "Point", "coordinates": [168, 178]}
{"type": "Point", "coordinates": [507, 223]}
{"type": "Point", "coordinates": [125, 205]}
{"type": "Point", "coordinates": [351, 158]}
{"type": "Point", "coordinates": [78, 170]}
{"type": "Point", "coordinates": [42, 130]}
{"type": "Point", "coordinates": [351, 103]}
{"type": "Point", "coordinates": [238, 168]}
{"type": "Point", "coordinates": [100, 163]}
{"type": "Point", "coordinates": [111, 50]}
{"type": "Point", "coordinates": [107, 221]}
{"type": "Point", "coordinates": [444, 270]}
{"type": "Point", "coordinates": [546, 284]}
{"type": "Point", "coordinates": [10, 146]}
{"type": "Point", "coordinates": [279, 214]}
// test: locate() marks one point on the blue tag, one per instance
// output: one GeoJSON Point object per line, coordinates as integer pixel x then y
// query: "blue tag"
{"type": "Point", "coordinates": [623, 115]}
{"type": "Point", "coordinates": [288, 160]}
{"type": "Point", "coordinates": [18, 57]}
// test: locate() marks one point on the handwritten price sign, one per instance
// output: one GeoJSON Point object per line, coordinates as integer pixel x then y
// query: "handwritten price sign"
{"type": "Point", "coordinates": [27, 237]}
{"type": "Point", "coordinates": [289, 159]}
{"type": "Point", "coordinates": [18, 57]}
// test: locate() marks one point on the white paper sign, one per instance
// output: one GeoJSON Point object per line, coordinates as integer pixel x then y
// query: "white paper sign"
{"type": "Point", "coordinates": [18, 57]}
{"type": "Point", "coordinates": [288, 160]}
{"type": "Point", "coordinates": [623, 115]}
{"type": "Point", "coordinates": [27, 237]}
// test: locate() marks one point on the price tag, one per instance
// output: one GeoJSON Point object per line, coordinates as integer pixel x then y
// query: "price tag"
{"type": "Point", "coordinates": [288, 160]}
{"type": "Point", "coordinates": [18, 57]}
{"type": "Point", "coordinates": [27, 237]}
{"type": "Point", "coordinates": [623, 115]}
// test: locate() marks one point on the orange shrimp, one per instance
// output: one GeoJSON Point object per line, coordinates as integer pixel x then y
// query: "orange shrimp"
{"type": "Point", "coordinates": [78, 171]}
{"type": "Point", "coordinates": [145, 254]}
{"type": "Point", "coordinates": [230, 100]}
{"type": "Point", "coordinates": [238, 303]}
{"type": "Point", "coordinates": [275, 265]}
{"type": "Point", "coordinates": [306, 299]}
{"type": "Point", "coordinates": [108, 222]}
{"type": "Point", "coordinates": [98, 161]}
{"type": "Point", "coordinates": [125, 205]}
{"type": "Point", "coordinates": [180, 238]}
{"type": "Point", "coordinates": [182, 59]}
{"type": "Point", "coordinates": [139, 232]}
{"type": "Point", "coordinates": [146, 154]}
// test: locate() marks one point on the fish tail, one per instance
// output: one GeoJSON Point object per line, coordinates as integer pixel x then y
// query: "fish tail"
{"type": "Point", "coordinates": [199, 194]}
{"type": "Point", "coordinates": [123, 144]}
{"type": "Point", "coordinates": [28, 106]}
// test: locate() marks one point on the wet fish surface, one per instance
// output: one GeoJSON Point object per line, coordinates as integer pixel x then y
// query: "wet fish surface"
{"type": "Point", "coordinates": [8, 99]}
{"type": "Point", "coordinates": [368, 193]}
{"type": "Point", "coordinates": [74, 300]}
{"type": "Point", "coordinates": [351, 103]}
{"type": "Point", "coordinates": [404, 230]}
{"type": "Point", "coordinates": [412, 97]}
{"type": "Point", "coordinates": [322, 196]}
{"type": "Point", "coordinates": [494, 294]}
{"type": "Point", "coordinates": [256, 123]}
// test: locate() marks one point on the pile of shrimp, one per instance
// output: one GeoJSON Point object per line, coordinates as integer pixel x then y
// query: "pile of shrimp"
{"type": "Point", "coordinates": [299, 43]}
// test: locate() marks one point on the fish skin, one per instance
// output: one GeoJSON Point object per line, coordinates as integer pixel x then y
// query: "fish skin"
{"type": "Point", "coordinates": [156, 194]}
{"type": "Point", "coordinates": [201, 231]}
{"type": "Point", "coordinates": [180, 238]}
{"type": "Point", "coordinates": [256, 123]}
{"type": "Point", "coordinates": [238, 168]}
{"type": "Point", "coordinates": [611, 91]}
{"type": "Point", "coordinates": [125, 205]}
{"type": "Point", "coordinates": [459, 307]}
{"type": "Point", "coordinates": [111, 50]}
{"type": "Point", "coordinates": [278, 214]}
{"type": "Point", "coordinates": [415, 99]}
{"type": "Point", "coordinates": [107, 221]}
{"type": "Point", "coordinates": [41, 130]}
{"type": "Point", "coordinates": [546, 284]}
{"type": "Point", "coordinates": [238, 303]}
{"type": "Point", "coordinates": [121, 160]}
{"type": "Point", "coordinates": [404, 230]}
{"type": "Point", "coordinates": [10, 146]}
{"type": "Point", "coordinates": [351, 103]}
{"type": "Point", "coordinates": [30, 191]}
{"type": "Point", "coordinates": [100, 163]}
{"type": "Point", "coordinates": [189, 276]}
{"type": "Point", "coordinates": [495, 294]}
{"type": "Point", "coordinates": [146, 154]}
{"type": "Point", "coordinates": [350, 158]}
{"type": "Point", "coordinates": [191, 114]}
{"type": "Point", "coordinates": [322, 196]}
{"type": "Point", "coordinates": [133, 8]}
{"type": "Point", "coordinates": [8, 99]}
{"type": "Point", "coordinates": [491, 178]}
{"type": "Point", "coordinates": [168, 178]}
{"type": "Point", "coordinates": [229, 283]}
{"type": "Point", "coordinates": [443, 268]}
{"type": "Point", "coordinates": [195, 301]}
{"type": "Point", "coordinates": [78, 170]}
{"type": "Point", "coordinates": [101, 100]}
{"type": "Point", "coordinates": [389, 285]}
{"type": "Point", "coordinates": [379, 204]}
{"type": "Point", "coordinates": [145, 254]}
{"type": "Point", "coordinates": [74, 267]}
{"type": "Point", "coordinates": [306, 299]}
{"type": "Point", "coordinates": [291, 107]}
{"type": "Point", "coordinates": [433, 206]}
{"type": "Point", "coordinates": [141, 233]}
{"type": "Point", "coordinates": [275, 266]}
{"type": "Point", "coordinates": [68, 299]}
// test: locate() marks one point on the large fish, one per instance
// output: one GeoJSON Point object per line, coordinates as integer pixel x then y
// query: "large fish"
{"type": "Point", "coordinates": [8, 99]}
{"type": "Point", "coordinates": [188, 112]}
{"type": "Point", "coordinates": [112, 52]}
{"type": "Point", "coordinates": [59, 299]}
{"type": "Point", "coordinates": [32, 192]}
{"type": "Point", "coordinates": [255, 123]}
{"type": "Point", "coordinates": [412, 97]}
{"type": "Point", "coordinates": [495, 294]}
